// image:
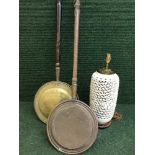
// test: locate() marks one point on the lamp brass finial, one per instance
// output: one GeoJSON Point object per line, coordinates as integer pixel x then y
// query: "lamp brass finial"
{"type": "Point", "coordinates": [106, 70]}
{"type": "Point", "coordinates": [108, 59]}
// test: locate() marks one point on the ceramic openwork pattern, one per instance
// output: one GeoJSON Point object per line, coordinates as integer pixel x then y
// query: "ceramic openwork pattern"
{"type": "Point", "coordinates": [103, 95]}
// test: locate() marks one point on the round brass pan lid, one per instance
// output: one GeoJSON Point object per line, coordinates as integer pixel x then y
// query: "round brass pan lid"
{"type": "Point", "coordinates": [72, 127]}
{"type": "Point", "coordinates": [49, 96]}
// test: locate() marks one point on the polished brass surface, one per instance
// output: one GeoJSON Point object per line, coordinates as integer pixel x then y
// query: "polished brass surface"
{"type": "Point", "coordinates": [106, 70]}
{"type": "Point", "coordinates": [49, 96]}
{"type": "Point", "coordinates": [52, 93]}
{"type": "Point", "coordinates": [72, 127]}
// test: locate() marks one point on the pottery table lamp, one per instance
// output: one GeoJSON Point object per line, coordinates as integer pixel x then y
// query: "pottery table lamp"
{"type": "Point", "coordinates": [103, 94]}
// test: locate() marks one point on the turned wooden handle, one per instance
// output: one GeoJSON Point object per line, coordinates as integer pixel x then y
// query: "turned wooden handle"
{"type": "Point", "coordinates": [76, 42]}
{"type": "Point", "coordinates": [57, 65]}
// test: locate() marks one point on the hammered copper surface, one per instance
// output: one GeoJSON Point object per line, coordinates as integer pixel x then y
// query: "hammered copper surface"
{"type": "Point", "coordinates": [72, 127]}
{"type": "Point", "coordinates": [49, 96]}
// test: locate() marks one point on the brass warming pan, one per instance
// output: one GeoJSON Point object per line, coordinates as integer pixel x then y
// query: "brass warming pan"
{"type": "Point", "coordinates": [52, 93]}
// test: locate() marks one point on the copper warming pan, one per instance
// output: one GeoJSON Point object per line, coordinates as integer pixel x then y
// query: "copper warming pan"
{"type": "Point", "coordinates": [72, 127]}
{"type": "Point", "coordinates": [52, 93]}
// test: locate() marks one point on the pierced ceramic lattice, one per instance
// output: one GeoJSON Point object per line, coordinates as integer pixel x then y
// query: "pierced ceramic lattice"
{"type": "Point", "coordinates": [103, 95]}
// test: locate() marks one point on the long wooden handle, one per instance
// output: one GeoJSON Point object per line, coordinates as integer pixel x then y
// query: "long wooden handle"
{"type": "Point", "coordinates": [76, 42]}
{"type": "Point", "coordinates": [57, 65]}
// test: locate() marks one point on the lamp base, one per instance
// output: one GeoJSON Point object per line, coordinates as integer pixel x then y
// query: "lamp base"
{"type": "Point", "coordinates": [102, 126]}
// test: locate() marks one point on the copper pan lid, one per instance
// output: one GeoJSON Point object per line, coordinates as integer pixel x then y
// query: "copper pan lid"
{"type": "Point", "coordinates": [72, 127]}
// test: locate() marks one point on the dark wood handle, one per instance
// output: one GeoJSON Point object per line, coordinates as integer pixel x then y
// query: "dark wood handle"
{"type": "Point", "coordinates": [76, 43]}
{"type": "Point", "coordinates": [57, 65]}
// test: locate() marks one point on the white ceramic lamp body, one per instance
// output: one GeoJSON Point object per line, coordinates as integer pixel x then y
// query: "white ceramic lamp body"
{"type": "Point", "coordinates": [103, 95]}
